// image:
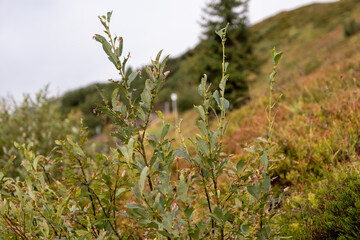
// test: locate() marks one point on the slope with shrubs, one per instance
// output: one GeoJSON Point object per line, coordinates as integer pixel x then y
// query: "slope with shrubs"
{"type": "Point", "coordinates": [317, 119]}
{"type": "Point", "coordinates": [317, 124]}
{"type": "Point", "coordinates": [137, 191]}
{"type": "Point", "coordinates": [316, 141]}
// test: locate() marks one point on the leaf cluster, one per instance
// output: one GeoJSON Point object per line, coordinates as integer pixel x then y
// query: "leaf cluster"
{"type": "Point", "coordinates": [139, 190]}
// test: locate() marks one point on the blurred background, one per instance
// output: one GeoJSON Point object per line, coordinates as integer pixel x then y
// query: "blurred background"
{"type": "Point", "coordinates": [50, 42]}
{"type": "Point", "coordinates": [50, 67]}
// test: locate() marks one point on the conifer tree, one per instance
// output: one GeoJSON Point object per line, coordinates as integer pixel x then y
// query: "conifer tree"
{"type": "Point", "coordinates": [217, 14]}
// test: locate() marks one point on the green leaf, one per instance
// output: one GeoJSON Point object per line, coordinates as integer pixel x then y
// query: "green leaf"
{"type": "Point", "coordinates": [166, 234]}
{"type": "Point", "coordinates": [161, 116]}
{"type": "Point", "coordinates": [165, 131]}
{"type": "Point", "coordinates": [163, 64]}
{"type": "Point", "coordinates": [218, 212]}
{"type": "Point", "coordinates": [125, 153]}
{"type": "Point", "coordinates": [260, 235]}
{"type": "Point", "coordinates": [131, 78]}
{"type": "Point", "coordinates": [261, 139]}
{"type": "Point", "coordinates": [202, 86]}
{"type": "Point", "coordinates": [182, 190]}
{"type": "Point", "coordinates": [146, 94]}
{"type": "Point", "coordinates": [202, 127]}
{"type": "Point", "coordinates": [250, 150]}
{"type": "Point", "coordinates": [189, 212]}
{"type": "Point", "coordinates": [198, 161]}
{"type": "Point", "coordinates": [277, 57]}
{"type": "Point", "coordinates": [266, 184]}
{"type": "Point", "coordinates": [182, 153]}
{"type": "Point", "coordinates": [124, 63]}
{"type": "Point", "coordinates": [82, 233]}
{"type": "Point", "coordinates": [201, 112]}
{"type": "Point", "coordinates": [77, 193]}
{"type": "Point", "coordinates": [107, 49]}
{"type": "Point", "coordinates": [238, 203]}
{"type": "Point", "coordinates": [135, 206]}
{"type": "Point", "coordinates": [221, 32]}
{"type": "Point", "coordinates": [213, 140]}
{"type": "Point", "coordinates": [77, 149]}
{"type": "Point", "coordinates": [159, 55]}
{"type": "Point", "coordinates": [216, 218]}
{"type": "Point", "coordinates": [130, 147]}
{"type": "Point", "coordinates": [106, 178]}
{"type": "Point", "coordinates": [217, 215]}
{"type": "Point", "coordinates": [264, 160]}
{"type": "Point", "coordinates": [9, 163]}
{"type": "Point", "coordinates": [143, 175]}
{"type": "Point", "coordinates": [167, 221]}
{"type": "Point", "coordinates": [119, 191]}
{"type": "Point", "coordinates": [35, 162]}
{"type": "Point", "coordinates": [203, 147]}
{"type": "Point", "coordinates": [272, 76]}
{"type": "Point", "coordinates": [150, 74]}
{"type": "Point", "coordinates": [267, 231]}
{"type": "Point", "coordinates": [223, 83]}
{"type": "Point", "coordinates": [109, 16]}
{"type": "Point", "coordinates": [240, 165]}
{"type": "Point", "coordinates": [202, 225]}
{"type": "Point", "coordinates": [245, 229]}
{"type": "Point", "coordinates": [216, 96]}
{"type": "Point", "coordinates": [226, 66]}
{"type": "Point", "coordinates": [254, 191]}
{"type": "Point", "coordinates": [119, 50]}
{"type": "Point", "coordinates": [115, 98]}
{"type": "Point", "coordinates": [141, 114]}
{"type": "Point", "coordinates": [226, 105]}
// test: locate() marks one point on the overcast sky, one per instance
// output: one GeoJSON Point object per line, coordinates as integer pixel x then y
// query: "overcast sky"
{"type": "Point", "coordinates": [50, 41]}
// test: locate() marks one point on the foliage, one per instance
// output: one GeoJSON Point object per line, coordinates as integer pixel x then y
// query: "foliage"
{"type": "Point", "coordinates": [329, 212]}
{"type": "Point", "coordinates": [34, 123]}
{"type": "Point", "coordinates": [138, 191]}
{"type": "Point", "coordinates": [336, 215]}
{"type": "Point", "coordinates": [187, 69]}
{"type": "Point", "coordinates": [240, 53]}
{"type": "Point", "coordinates": [318, 117]}
{"type": "Point", "coordinates": [86, 100]}
{"type": "Point", "coordinates": [351, 28]}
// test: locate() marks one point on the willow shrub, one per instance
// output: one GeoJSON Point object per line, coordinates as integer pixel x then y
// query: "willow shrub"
{"type": "Point", "coordinates": [134, 192]}
{"type": "Point", "coordinates": [36, 122]}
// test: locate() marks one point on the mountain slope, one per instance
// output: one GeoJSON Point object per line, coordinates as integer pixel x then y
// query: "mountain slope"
{"type": "Point", "coordinates": [318, 79]}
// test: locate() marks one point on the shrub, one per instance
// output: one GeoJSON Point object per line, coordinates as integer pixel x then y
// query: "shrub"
{"type": "Point", "coordinates": [36, 123]}
{"type": "Point", "coordinates": [351, 28]}
{"type": "Point", "coordinates": [137, 191]}
{"type": "Point", "coordinates": [330, 212]}
{"type": "Point", "coordinates": [86, 100]}
{"type": "Point", "coordinates": [336, 212]}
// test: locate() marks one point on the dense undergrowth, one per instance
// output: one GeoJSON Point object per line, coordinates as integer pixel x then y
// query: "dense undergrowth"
{"type": "Point", "coordinates": [139, 190]}
{"type": "Point", "coordinates": [36, 123]}
{"type": "Point", "coordinates": [317, 119]}
{"type": "Point", "coordinates": [316, 145]}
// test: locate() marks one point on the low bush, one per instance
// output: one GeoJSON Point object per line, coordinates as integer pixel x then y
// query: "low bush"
{"type": "Point", "coordinates": [138, 191]}
{"type": "Point", "coordinates": [335, 214]}
{"type": "Point", "coordinates": [351, 28]}
{"type": "Point", "coordinates": [37, 123]}
{"type": "Point", "coordinates": [329, 212]}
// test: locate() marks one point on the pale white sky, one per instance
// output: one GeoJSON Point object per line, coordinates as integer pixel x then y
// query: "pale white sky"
{"type": "Point", "coordinates": [50, 41]}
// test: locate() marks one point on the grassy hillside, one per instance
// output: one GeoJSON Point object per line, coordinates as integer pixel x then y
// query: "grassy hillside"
{"type": "Point", "coordinates": [143, 187]}
{"type": "Point", "coordinates": [317, 124]}
{"type": "Point", "coordinates": [317, 127]}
